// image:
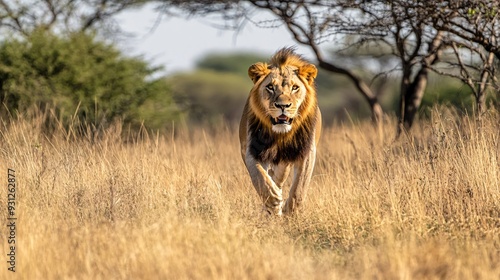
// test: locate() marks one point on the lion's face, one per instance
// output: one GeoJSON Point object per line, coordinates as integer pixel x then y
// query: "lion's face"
{"type": "Point", "coordinates": [282, 94]}
{"type": "Point", "coordinates": [282, 90]}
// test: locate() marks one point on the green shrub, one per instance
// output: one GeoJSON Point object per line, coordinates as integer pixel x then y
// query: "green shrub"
{"type": "Point", "coordinates": [81, 78]}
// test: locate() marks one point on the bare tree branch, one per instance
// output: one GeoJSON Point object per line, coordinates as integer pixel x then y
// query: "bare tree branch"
{"type": "Point", "coordinates": [22, 17]}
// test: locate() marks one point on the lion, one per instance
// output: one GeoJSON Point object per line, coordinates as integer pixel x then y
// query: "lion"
{"type": "Point", "coordinates": [280, 129]}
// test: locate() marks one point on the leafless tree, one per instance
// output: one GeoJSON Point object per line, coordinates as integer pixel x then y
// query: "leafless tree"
{"type": "Point", "coordinates": [472, 36]}
{"type": "Point", "coordinates": [406, 27]}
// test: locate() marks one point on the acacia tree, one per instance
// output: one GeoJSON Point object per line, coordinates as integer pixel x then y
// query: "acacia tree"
{"type": "Point", "coordinates": [405, 25]}
{"type": "Point", "coordinates": [473, 32]}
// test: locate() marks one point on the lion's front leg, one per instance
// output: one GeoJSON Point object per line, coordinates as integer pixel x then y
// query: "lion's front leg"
{"type": "Point", "coordinates": [270, 193]}
{"type": "Point", "coordinates": [279, 173]}
{"type": "Point", "coordinates": [301, 179]}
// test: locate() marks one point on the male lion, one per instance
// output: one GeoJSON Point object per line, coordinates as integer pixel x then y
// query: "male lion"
{"type": "Point", "coordinates": [280, 128]}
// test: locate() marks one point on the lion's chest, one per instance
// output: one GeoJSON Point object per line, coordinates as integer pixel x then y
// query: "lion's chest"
{"type": "Point", "coordinates": [269, 147]}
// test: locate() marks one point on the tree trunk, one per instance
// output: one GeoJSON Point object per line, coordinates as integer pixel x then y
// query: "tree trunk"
{"type": "Point", "coordinates": [413, 97]}
{"type": "Point", "coordinates": [413, 92]}
{"type": "Point", "coordinates": [481, 97]}
{"type": "Point", "coordinates": [403, 91]}
{"type": "Point", "coordinates": [483, 86]}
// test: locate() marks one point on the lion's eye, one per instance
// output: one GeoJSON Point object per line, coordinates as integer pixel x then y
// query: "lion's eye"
{"type": "Point", "coordinates": [295, 87]}
{"type": "Point", "coordinates": [270, 87]}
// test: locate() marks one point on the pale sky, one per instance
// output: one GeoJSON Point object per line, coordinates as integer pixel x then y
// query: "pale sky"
{"type": "Point", "coordinates": [178, 43]}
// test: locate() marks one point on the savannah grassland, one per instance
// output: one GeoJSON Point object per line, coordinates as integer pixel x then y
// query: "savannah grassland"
{"type": "Point", "coordinates": [181, 206]}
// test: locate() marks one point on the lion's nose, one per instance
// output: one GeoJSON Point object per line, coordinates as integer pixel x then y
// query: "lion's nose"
{"type": "Point", "coordinates": [282, 106]}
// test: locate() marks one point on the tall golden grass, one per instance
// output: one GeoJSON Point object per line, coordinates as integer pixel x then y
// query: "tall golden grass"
{"type": "Point", "coordinates": [182, 206]}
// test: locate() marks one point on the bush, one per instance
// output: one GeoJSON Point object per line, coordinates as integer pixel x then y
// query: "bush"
{"type": "Point", "coordinates": [81, 78]}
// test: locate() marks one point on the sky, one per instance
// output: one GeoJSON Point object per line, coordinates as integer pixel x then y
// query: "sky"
{"type": "Point", "coordinates": [177, 43]}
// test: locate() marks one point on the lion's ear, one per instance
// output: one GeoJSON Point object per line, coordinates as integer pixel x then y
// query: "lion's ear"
{"type": "Point", "coordinates": [257, 70]}
{"type": "Point", "coordinates": [309, 72]}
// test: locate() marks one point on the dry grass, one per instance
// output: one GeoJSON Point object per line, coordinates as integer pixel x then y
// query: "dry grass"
{"type": "Point", "coordinates": [183, 207]}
